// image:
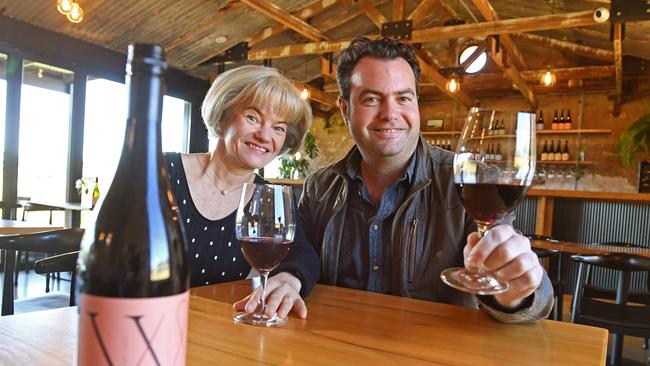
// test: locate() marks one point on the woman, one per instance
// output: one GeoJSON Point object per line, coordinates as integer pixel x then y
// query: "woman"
{"type": "Point", "coordinates": [254, 114]}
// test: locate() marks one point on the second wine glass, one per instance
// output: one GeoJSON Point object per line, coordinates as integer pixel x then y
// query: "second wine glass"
{"type": "Point", "coordinates": [491, 185]}
{"type": "Point", "coordinates": [265, 226]}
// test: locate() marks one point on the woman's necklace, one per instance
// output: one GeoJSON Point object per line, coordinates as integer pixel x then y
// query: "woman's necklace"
{"type": "Point", "coordinates": [224, 192]}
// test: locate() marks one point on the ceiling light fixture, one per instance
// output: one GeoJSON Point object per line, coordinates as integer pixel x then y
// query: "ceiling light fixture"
{"type": "Point", "coordinates": [64, 6]}
{"type": "Point", "coordinates": [547, 78]}
{"type": "Point", "coordinates": [76, 14]}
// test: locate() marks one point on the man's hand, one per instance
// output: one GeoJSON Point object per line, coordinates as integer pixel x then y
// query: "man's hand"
{"type": "Point", "coordinates": [282, 295]}
{"type": "Point", "coordinates": [508, 256]}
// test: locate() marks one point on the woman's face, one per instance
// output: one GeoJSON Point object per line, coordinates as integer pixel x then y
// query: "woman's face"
{"type": "Point", "coordinates": [252, 135]}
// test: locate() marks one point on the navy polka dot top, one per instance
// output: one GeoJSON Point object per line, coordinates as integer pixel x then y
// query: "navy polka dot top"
{"type": "Point", "coordinates": [215, 254]}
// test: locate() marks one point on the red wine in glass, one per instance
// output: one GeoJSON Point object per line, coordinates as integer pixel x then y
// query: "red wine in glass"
{"type": "Point", "coordinates": [490, 189]}
{"type": "Point", "coordinates": [265, 225]}
{"type": "Point", "coordinates": [264, 254]}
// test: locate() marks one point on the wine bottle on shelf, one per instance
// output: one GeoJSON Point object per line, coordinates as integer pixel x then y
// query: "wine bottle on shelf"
{"type": "Point", "coordinates": [558, 151]}
{"type": "Point", "coordinates": [544, 156]}
{"type": "Point", "coordinates": [488, 155]}
{"type": "Point", "coordinates": [497, 155]}
{"type": "Point", "coordinates": [555, 122]}
{"type": "Point", "coordinates": [95, 192]}
{"type": "Point", "coordinates": [568, 122]}
{"type": "Point", "coordinates": [565, 152]}
{"type": "Point", "coordinates": [551, 152]}
{"type": "Point", "coordinates": [449, 145]}
{"type": "Point", "coordinates": [133, 264]}
{"type": "Point", "coordinates": [561, 125]}
{"type": "Point", "coordinates": [540, 121]}
{"type": "Point", "coordinates": [502, 131]}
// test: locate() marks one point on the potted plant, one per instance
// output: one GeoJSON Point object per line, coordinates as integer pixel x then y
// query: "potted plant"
{"type": "Point", "coordinates": [290, 166]}
{"type": "Point", "coordinates": [634, 140]}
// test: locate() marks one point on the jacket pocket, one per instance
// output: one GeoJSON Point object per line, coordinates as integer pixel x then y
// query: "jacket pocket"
{"type": "Point", "coordinates": [412, 243]}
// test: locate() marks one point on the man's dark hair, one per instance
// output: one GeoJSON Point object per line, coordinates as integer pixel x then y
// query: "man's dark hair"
{"type": "Point", "coordinates": [383, 48]}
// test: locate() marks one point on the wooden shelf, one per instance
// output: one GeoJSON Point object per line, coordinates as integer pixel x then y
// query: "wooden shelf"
{"type": "Point", "coordinates": [440, 133]}
{"type": "Point", "coordinates": [574, 132]}
{"type": "Point", "coordinates": [568, 162]}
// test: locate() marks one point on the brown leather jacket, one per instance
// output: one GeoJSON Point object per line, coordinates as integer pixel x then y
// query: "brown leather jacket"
{"type": "Point", "coordinates": [429, 231]}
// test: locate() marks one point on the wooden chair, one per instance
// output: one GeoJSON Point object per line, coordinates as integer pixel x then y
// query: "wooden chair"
{"type": "Point", "coordinates": [554, 258]}
{"type": "Point", "coordinates": [626, 314]}
{"type": "Point", "coordinates": [66, 262]}
{"type": "Point", "coordinates": [53, 242]}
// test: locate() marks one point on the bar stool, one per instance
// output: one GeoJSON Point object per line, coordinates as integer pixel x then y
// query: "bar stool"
{"type": "Point", "coordinates": [554, 258]}
{"type": "Point", "coordinates": [592, 305]}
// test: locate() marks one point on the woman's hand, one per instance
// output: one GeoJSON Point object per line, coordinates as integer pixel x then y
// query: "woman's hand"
{"type": "Point", "coordinates": [282, 295]}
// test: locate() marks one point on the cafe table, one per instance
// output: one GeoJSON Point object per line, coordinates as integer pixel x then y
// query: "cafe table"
{"type": "Point", "coordinates": [586, 249]}
{"type": "Point", "coordinates": [8, 227]}
{"type": "Point", "coordinates": [344, 327]}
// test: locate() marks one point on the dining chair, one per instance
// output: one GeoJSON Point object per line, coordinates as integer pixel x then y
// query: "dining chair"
{"type": "Point", "coordinates": [625, 314]}
{"type": "Point", "coordinates": [66, 262]}
{"type": "Point", "coordinates": [554, 258]}
{"type": "Point", "coordinates": [51, 242]}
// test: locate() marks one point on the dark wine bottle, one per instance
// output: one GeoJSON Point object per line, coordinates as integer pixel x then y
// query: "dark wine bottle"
{"type": "Point", "coordinates": [551, 152]}
{"type": "Point", "coordinates": [544, 156]}
{"type": "Point", "coordinates": [568, 121]}
{"type": "Point", "coordinates": [561, 125]}
{"type": "Point", "coordinates": [540, 121]}
{"type": "Point", "coordinates": [558, 151]}
{"type": "Point", "coordinates": [497, 155]}
{"type": "Point", "coordinates": [565, 152]}
{"type": "Point", "coordinates": [133, 264]}
{"type": "Point", "coordinates": [555, 122]}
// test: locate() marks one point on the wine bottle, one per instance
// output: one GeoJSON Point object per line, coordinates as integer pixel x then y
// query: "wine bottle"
{"type": "Point", "coordinates": [95, 192]}
{"type": "Point", "coordinates": [551, 152]}
{"type": "Point", "coordinates": [558, 151]}
{"type": "Point", "coordinates": [502, 130]}
{"type": "Point", "coordinates": [449, 145]}
{"type": "Point", "coordinates": [497, 155]}
{"type": "Point", "coordinates": [133, 264]}
{"type": "Point", "coordinates": [565, 152]}
{"type": "Point", "coordinates": [561, 125]}
{"type": "Point", "coordinates": [544, 156]}
{"type": "Point", "coordinates": [555, 121]}
{"type": "Point", "coordinates": [568, 121]}
{"type": "Point", "coordinates": [540, 121]}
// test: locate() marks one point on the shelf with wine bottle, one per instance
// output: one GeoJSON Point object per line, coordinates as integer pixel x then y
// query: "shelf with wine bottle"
{"type": "Point", "coordinates": [440, 133]}
{"type": "Point", "coordinates": [565, 162]}
{"type": "Point", "coordinates": [593, 131]}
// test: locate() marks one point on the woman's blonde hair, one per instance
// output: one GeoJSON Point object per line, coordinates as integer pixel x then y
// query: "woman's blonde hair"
{"type": "Point", "coordinates": [262, 86]}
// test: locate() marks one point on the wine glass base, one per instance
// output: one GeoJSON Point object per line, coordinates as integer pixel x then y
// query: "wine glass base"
{"type": "Point", "coordinates": [259, 320]}
{"type": "Point", "coordinates": [475, 283]}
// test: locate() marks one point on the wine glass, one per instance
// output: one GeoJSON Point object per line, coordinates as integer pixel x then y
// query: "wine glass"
{"type": "Point", "coordinates": [490, 189]}
{"type": "Point", "coordinates": [265, 226]}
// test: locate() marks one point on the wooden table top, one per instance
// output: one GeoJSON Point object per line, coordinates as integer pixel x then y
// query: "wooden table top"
{"type": "Point", "coordinates": [8, 227]}
{"type": "Point", "coordinates": [344, 327]}
{"type": "Point", "coordinates": [581, 248]}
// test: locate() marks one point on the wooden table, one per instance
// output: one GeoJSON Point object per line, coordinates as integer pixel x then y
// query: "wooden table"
{"type": "Point", "coordinates": [344, 327]}
{"type": "Point", "coordinates": [23, 227]}
{"type": "Point", "coordinates": [581, 248]}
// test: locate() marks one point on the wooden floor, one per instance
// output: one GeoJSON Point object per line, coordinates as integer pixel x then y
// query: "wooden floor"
{"type": "Point", "coordinates": [31, 284]}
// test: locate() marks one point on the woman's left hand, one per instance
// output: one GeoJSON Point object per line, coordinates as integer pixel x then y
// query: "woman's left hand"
{"type": "Point", "coordinates": [282, 295]}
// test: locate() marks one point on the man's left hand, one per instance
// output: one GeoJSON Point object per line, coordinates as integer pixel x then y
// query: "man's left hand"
{"type": "Point", "coordinates": [509, 257]}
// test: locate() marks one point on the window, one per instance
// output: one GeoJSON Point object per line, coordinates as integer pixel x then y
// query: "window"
{"type": "Point", "coordinates": [478, 64]}
{"type": "Point", "coordinates": [44, 136]}
{"type": "Point", "coordinates": [3, 110]}
{"type": "Point", "coordinates": [175, 124]}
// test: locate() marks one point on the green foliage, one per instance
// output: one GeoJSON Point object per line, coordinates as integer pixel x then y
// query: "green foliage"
{"type": "Point", "coordinates": [289, 164]}
{"type": "Point", "coordinates": [634, 139]}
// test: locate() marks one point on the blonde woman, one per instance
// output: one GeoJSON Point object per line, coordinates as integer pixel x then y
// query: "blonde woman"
{"type": "Point", "coordinates": [253, 113]}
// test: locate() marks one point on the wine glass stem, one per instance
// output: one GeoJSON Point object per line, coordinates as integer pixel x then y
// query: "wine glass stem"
{"type": "Point", "coordinates": [262, 304]}
{"type": "Point", "coordinates": [482, 230]}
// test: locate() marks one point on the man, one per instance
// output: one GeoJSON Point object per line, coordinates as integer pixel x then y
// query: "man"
{"type": "Point", "coordinates": [387, 218]}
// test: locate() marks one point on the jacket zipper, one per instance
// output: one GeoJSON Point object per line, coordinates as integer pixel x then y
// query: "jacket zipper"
{"type": "Point", "coordinates": [412, 242]}
{"type": "Point", "coordinates": [329, 222]}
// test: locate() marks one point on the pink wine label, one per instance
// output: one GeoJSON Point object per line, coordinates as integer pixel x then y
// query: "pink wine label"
{"type": "Point", "coordinates": [139, 331]}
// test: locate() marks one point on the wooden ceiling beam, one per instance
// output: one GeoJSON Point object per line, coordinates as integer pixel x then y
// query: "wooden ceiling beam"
{"type": "Point", "coordinates": [285, 18]}
{"type": "Point", "coordinates": [318, 95]}
{"type": "Point", "coordinates": [398, 10]}
{"type": "Point", "coordinates": [431, 73]}
{"type": "Point", "coordinates": [507, 26]}
{"type": "Point", "coordinates": [532, 76]}
{"type": "Point", "coordinates": [421, 11]}
{"type": "Point", "coordinates": [491, 15]}
{"type": "Point", "coordinates": [579, 49]}
{"type": "Point", "coordinates": [498, 56]}
{"type": "Point", "coordinates": [315, 48]}
{"type": "Point", "coordinates": [618, 66]}
{"type": "Point", "coordinates": [371, 11]}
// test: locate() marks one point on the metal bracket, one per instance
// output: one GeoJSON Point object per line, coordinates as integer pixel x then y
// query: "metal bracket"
{"type": "Point", "coordinates": [401, 30]}
{"type": "Point", "coordinates": [629, 10]}
{"type": "Point", "coordinates": [236, 53]}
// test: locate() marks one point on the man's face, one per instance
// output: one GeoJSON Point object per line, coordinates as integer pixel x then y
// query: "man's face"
{"type": "Point", "coordinates": [382, 114]}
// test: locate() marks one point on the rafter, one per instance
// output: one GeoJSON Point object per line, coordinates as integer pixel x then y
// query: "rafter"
{"type": "Point", "coordinates": [371, 11]}
{"type": "Point", "coordinates": [398, 10]}
{"type": "Point", "coordinates": [513, 74]}
{"type": "Point", "coordinates": [431, 73]}
{"type": "Point", "coordinates": [421, 11]}
{"type": "Point", "coordinates": [315, 48]}
{"type": "Point", "coordinates": [491, 15]}
{"type": "Point", "coordinates": [516, 25]}
{"type": "Point", "coordinates": [317, 95]}
{"type": "Point", "coordinates": [284, 17]}
{"type": "Point", "coordinates": [579, 49]}
{"type": "Point", "coordinates": [582, 72]}
{"type": "Point", "coordinates": [618, 66]}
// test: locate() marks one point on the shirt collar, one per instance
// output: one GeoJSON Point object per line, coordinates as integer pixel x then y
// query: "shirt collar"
{"type": "Point", "coordinates": [353, 167]}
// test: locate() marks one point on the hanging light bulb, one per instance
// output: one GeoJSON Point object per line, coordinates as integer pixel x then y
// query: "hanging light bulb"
{"type": "Point", "coordinates": [64, 6]}
{"type": "Point", "coordinates": [453, 84]}
{"type": "Point", "coordinates": [76, 14]}
{"type": "Point", "coordinates": [548, 78]}
{"type": "Point", "coordinates": [304, 94]}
